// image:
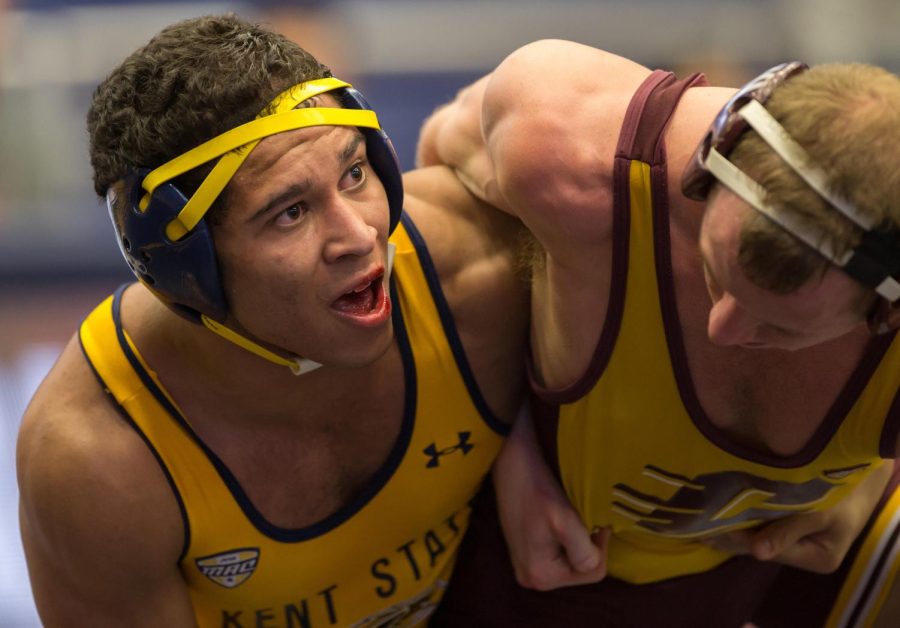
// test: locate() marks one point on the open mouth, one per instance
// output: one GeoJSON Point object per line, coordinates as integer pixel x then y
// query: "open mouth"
{"type": "Point", "coordinates": [366, 303]}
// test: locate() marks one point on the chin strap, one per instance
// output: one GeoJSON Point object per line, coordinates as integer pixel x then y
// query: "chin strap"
{"type": "Point", "coordinates": [298, 365]}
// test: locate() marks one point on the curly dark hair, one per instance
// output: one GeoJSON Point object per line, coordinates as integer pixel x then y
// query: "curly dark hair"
{"type": "Point", "coordinates": [194, 80]}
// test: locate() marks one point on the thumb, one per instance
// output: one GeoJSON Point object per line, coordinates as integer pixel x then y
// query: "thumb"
{"type": "Point", "coordinates": [582, 553]}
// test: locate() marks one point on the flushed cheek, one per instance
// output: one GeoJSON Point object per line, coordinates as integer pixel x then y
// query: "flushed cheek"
{"type": "Point", "coordinates": [271, 294]}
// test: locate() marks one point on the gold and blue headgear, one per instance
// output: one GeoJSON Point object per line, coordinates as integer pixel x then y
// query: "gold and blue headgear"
{"type": "Point", "coordinates": [163, 234]}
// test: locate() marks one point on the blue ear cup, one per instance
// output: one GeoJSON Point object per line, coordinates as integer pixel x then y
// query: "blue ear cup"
{"type": "Point", "coordinates": [184, 274]}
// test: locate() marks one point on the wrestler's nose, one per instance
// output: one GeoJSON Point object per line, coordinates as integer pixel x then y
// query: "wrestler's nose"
{"type": "Point", "coordinates": [731, 324]}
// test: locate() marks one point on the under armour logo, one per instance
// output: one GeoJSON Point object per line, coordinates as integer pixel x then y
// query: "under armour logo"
{"type": "Point", "coordinates": [435, 454]}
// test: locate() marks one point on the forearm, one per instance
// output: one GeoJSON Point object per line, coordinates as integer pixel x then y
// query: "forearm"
{"type": "Point", "coordinates": [549, 545]}
{"type": "Point", "coordinates": [453, 136]}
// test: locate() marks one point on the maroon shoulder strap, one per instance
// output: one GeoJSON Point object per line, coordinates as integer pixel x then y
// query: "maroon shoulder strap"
{"type": "Point", "coordinates": [649, 113]}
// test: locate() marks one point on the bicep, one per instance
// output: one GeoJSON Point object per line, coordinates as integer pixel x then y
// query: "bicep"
{"type": "Point", "coordinates": [74, 586]}
{"type": "Point", "coordinates": [100, 526]}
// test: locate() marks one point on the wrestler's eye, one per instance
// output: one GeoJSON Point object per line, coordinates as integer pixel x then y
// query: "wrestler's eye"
{"type": "Point", "coordinates": [292, 214]}
{"type": "Point", "coordinates": [355, 175]}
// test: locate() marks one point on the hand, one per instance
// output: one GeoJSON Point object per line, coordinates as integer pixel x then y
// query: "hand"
{"type": "Point", "coordinates": [549, 545]}
{"type": "Point", "coordinates": [815, 541]}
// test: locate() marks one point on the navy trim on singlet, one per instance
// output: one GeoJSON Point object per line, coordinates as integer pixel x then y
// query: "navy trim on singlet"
{"type": "Point", "coordinates": [447, 322]}
{"type": "Point", "coordinates": [379, 479]}
{"type": "Point", "coordinates": [186, 543]}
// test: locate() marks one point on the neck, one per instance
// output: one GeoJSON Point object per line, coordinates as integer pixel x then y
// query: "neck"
{"type": "Point", "coordinates": [204, 371]}
{"type": "Point", "coordinates": [171, 343]}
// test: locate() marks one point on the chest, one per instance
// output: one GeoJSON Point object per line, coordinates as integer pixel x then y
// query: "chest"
{"type": "Point", "coordinates": [303, 457]}
{"type": "Point", "coordinates": [772, 399]}
{"type": "Point", "coordinates": [298, 475]}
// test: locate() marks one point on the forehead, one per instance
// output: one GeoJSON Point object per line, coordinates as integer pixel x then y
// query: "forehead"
{"type": "Point", "coordinates": [311, 150]}
{"type": "Point", "coordinates": [294, 160]}
{"type": "Point", "coordinates": [267, 149]}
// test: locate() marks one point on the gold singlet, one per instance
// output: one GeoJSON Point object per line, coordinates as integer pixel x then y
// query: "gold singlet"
{"type": "Point", "coordinates": [383, 559]}
{"type": "Point", "coordinates": [634, 448]}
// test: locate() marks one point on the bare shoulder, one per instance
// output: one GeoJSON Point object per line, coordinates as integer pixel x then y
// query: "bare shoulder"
{"type": "Point", "coordinates": [553, 111]}
{"type": "Point", "coordinates": [73, 436]}
{"type": "Point", "coordinates": [557, 70]}
{"type": "Point", "coordinates": [97, 514]}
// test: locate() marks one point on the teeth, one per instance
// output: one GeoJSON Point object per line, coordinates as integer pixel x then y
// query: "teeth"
{"type": "Point", "coordinates": [361, 288]}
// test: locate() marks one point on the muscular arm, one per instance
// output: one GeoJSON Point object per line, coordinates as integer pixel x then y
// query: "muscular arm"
{"type": "Point", "coordinates": [100, 526]}
{"type": "Point", "coordinates": [549, 545]}
{"type": "Point", "coordinates": [474, 250]}
{"type": "Point", "coordinates": [537, 137]}
{"type": "Point", "coordinates": [453, 136]}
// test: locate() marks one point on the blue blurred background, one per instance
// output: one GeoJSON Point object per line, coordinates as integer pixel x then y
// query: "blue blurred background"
{"type": "Point", "coordinates": [57, 253]}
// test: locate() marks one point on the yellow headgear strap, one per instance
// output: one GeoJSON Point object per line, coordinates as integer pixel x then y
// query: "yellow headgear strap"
{"type": "Point", "coordinates": [234, 145]}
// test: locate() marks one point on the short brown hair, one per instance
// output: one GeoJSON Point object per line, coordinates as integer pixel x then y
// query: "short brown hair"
{"type": "Point", "coordinates": [847, 117]}
{"type": "Point", "coordinates": [193, 81]}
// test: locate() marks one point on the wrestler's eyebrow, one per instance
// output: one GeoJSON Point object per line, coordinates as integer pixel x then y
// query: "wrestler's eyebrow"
{"type": "Point", "coordinates": [350, 149]}
{"type": "Point", "coordinates": [298, 188]}
{"type": "Point", "coordinates": [294, 190]}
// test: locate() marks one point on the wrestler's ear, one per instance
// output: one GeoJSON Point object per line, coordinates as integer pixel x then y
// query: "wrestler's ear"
{"type": "Point", "coordinates": [884, 317]}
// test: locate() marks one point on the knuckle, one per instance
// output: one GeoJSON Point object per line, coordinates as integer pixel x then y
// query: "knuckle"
{"type": "Point", "coordinates": [540, 581]}
{"type": "Point", "coordinates": [530, 578]}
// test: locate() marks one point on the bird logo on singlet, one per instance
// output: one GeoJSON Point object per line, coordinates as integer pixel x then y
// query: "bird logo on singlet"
{"type": "Point", "coordinates": [231, 568]}
{"type": "Point", "coordinates": [716, 502]}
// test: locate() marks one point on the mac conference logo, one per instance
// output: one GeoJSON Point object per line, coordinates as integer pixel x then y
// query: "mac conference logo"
{"type": "Point", "coordinates": [229, 569]}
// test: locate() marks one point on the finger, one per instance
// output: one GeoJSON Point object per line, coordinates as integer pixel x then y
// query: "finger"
{"type": "Point", "coordinates": [569, 576]}
{"type": "Point", "coordinates": [812, 553]}
{"type": "Point", "coordinates": [562, 577]}
{"type": "Point", "coordinates": [600, 538]}
{"type": "Point", "coordinates": [544, 574]}
{"type": "Point", "coordinates": [588, 577]}
{"type": "Point", "coordinates": [779, 537]}
{"type": "Point", "coordinates": [736, 542]}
